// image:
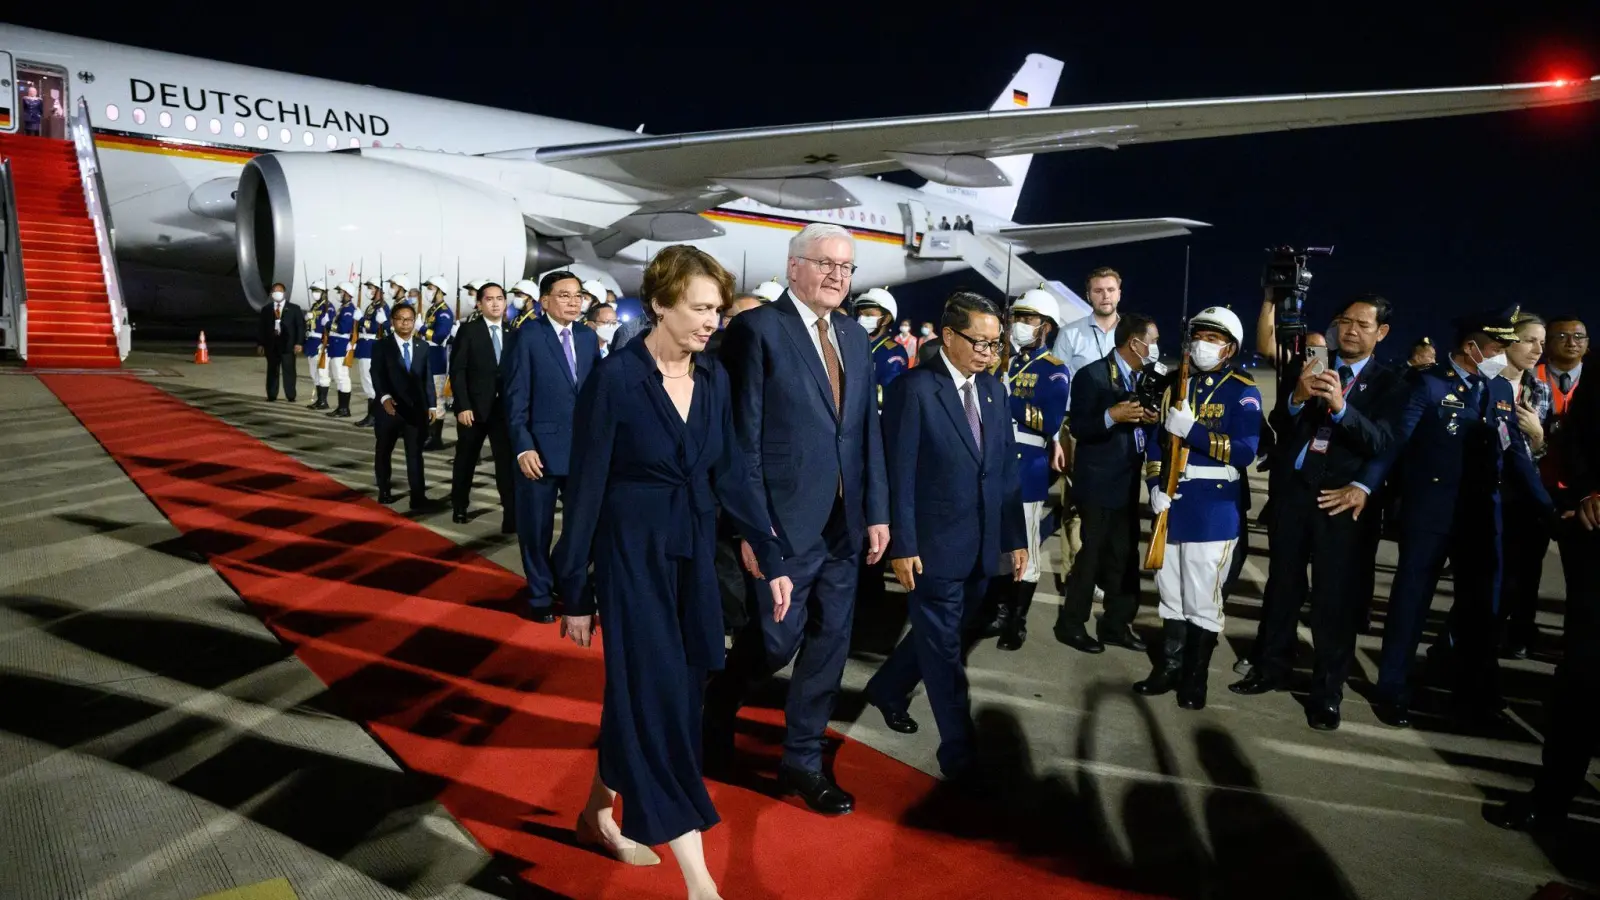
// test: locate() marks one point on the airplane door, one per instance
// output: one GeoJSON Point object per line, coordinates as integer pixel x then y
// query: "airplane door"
{"type": "Point", "coordinates": [8, 95]}
{"type": "Point", "coordinates": [915, 222]}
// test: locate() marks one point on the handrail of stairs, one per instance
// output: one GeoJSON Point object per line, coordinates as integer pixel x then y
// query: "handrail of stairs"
{"type": "Point", "coordinates": [13, 289]}
{"type": "Point", "coordinates": [94, 196]}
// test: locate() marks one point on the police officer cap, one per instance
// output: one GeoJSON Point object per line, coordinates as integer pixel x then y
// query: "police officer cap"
{"type": "Point", "coordinates": [319, 285]}
{"type": "Point", "coordinates": [1219, 318]}
{"type": "Point", "coordinates": [440, 282]}
{"type": "Point", "coordinates": [1498, 324]}
{"type": "Point", "coordinates": [1040, 301]}
{"type": "Point", "coordinates": [769, 291]}
{"type": "Point", "coordinates": [401, 281]}
{"type": "Point", "coordinates": [596, 289]}
{"type": "Point", "coordinates": [526, 287]}
{"type": "Point", "coordinates": [348, 288]}
{"type": "Point", "coordinates": [880, 298]}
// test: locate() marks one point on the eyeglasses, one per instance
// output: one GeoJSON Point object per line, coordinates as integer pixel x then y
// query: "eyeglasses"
{"type": "Point", "coordinates": [568, 295]}
{"type": "Point", "coordinates": [828, 266]}
{"type": "Point", "coordinates": [981, 346]}
{"type": "Point", "coordinates": [1571, 337]}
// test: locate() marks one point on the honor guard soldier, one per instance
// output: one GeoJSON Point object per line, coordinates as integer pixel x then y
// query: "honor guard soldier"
{"type": "Point", "coordinates": [370, 330]}
{"type": "Point", "coordinates": [1219, 428]}
{"type": "Point", "coordinates": [400, 291]}
{"type": "Point", "coordinates": [1458, 440]}
{"type": "Point", "coordinates": [1039, 385]}
{"type": "Point", "coordinates": [769, 291]}
{"type": "Point", "coordinates": [524, 300]}
{"type": "Point", "coordinates": [437, 325]}
{"type": "Point", "coordinates": [342, 346]}
{"type": "Point", "coordinates": [469, 299]}
{"type": "Point", "coordinates": [319, 317]}
{"type": "Point", "coordinates": [877, 312]}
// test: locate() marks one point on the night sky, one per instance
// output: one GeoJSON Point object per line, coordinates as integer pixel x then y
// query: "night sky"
{"type": "Point", "coordinates": [1442, 217]}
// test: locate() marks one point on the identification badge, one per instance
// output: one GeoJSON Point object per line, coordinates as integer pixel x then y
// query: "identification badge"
{"type": "Point", "coordinates": [1138, 439]}
{"type": "Point", "coordinates": [1319, 444]}
{"type": "Point", "coordinates": [1505, 436]}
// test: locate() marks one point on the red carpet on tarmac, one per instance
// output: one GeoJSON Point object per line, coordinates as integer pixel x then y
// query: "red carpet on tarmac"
{"type": "Point", "coordinates": [412, 635]}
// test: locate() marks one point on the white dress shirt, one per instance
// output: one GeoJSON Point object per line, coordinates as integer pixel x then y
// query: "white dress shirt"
{"type": "Point", "coordinates": [961, 378]}
{"type": "Point", "coordinates": [1083, 342]}
{"type": "Point", "coordinates": [417, 346]}
{"type": "Point", "coordinates": [810, 318]}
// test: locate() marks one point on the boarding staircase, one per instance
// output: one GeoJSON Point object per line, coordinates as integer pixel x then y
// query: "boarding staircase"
{"type": "Point", "coordinates": [63, 301]}
{"type": "Point", "coordinates": [995, 260]}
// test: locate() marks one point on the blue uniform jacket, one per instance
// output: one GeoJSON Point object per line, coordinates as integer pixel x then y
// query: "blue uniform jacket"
{"type": "Point", "coordinates": [343, 331]}
{"type": "Point", "coordinates": [889, 360]}
{"type": "Point", "coordinates": [373, 326]}
{"type": "Point", "coordinates": [1437, 432]}
{"type": "Point", "coordinates": [437, 324]}
{"type": "Point", "coordinates": [799, 452]}
{"type": "Point", "coordinates": [318, 318]}
{"type": "Point", "coordinates": [540, 393]}
{"type": "Point", "coordinates": [1227, 408]}
{"type": "Point", "coordinates": [1040, 386]}
{"type": "Point", "coordinates": [954, 504]}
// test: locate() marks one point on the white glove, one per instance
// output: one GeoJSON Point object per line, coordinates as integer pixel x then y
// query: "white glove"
{"type": "Point", "coordinates": [1179, 422]}
{"type": "Point", "coordinates": [1159, 501]}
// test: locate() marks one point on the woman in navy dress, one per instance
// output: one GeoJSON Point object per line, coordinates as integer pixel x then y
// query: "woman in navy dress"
{"type": "Point", "coordinates": [654, 455]}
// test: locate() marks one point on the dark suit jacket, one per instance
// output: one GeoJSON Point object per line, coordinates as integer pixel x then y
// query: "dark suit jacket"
{"type": "Point", "coordinates": [783, 413]}
{"type": "Point", "coordinates": [291, 334]}
{"type": "Point", "coordinates": [541, 394]}
{"type": "Point", "coordinates": [411, 389]}
{"type": "Point", "coordinates": [970, 508]}
{"type": "Point", "coordinates": [1108, 463]}
{"type": "Point", "coordinates": [1365, 431]}
{"type": "Point", "coordinates": [476, 380]}
{"type": "Point", "coordinates": [1580, 440]}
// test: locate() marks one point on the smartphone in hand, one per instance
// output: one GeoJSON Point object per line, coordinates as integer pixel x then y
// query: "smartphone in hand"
{"type": "Point", "coordinates": [1317, 360]}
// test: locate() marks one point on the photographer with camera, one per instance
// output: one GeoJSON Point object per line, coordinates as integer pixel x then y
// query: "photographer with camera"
{"type": "Point", "coordinates": [1111, 426]}
{"type": "Point", "coordinates": [1339, 418]}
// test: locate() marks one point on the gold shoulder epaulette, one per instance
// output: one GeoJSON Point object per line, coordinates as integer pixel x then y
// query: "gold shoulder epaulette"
{"type": "Point", "coordinates": [1243, 376]}
{"type": "Point", "coordinates": [1052, 359]}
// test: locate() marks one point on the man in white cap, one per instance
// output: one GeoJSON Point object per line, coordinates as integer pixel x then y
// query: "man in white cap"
{"type": "Point", "coordinates": [876, 312]}
{"type": "Point", "coordinates": [438, 323]}
{"type": "Point", "coordinates": [524, 300]}
{"type": "Point", "coordinates": [342, 347]}
{"type": "Point", "coordinates": [596, 291]}
{"type": "Point", "coordinates": [374, 323]}
{"type": "Point", "coordinates": [769, 291]}
{"type": "Point", "coordinates": [1219, 425]}
{"type": "Point", "coordinates": [319, 315]}
{"type": "Point", "coordinates": [400, 291]}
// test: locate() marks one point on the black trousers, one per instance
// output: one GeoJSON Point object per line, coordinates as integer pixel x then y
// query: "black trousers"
{"type": "Point", "coordinates": [1107, 560]}
{"type": "Point", "coordinates": [1572, 735]}
{"type": "Point", "coordinates": [1524, 540]}
{"type": "Point", "coordinates": [469, 446]}
{"type": "Point", "coordinates": [281, 367]}
{"type": "Point", "coordinates": [1337, 549]}
{"type": "Point", "coordinates": [389, 430]}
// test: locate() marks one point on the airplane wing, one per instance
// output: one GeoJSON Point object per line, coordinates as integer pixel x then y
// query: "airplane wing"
{"type": "Point", "coordinates": [699, 161]}
{"type": "Point", "coordinates": [1081, 235]}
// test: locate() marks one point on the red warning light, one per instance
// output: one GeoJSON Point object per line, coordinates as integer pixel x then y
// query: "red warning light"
{"type": "Point", "coordinates": [1561, 82]}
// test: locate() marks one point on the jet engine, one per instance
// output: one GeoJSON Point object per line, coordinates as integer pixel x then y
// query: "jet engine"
{"type": "Point", "coordinates": [337, 216]}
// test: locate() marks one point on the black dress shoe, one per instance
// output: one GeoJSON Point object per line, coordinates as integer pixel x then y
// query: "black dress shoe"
{"type": "Point", "coordinates": [1525, 814]}
{"type": "Point", "coordinates": [508, 527]}
{"type": "Point", "coordinates": [544, 615]}
{"type": "Point", "coordinates": [1077, 637]}
{"type": "Point", "coordinates": [459, 518]}
{"type": "Point", "coordinates": [1258, 682]}
{"type": "Point", "coordinates": [817, 789]}
{"type": "Point", "coordinates": [385, 497]}
{"type": "Point", "coordinates": [1394, 715]}
{"type": "Point", "coordinates": [1124, 637]}
{"type": "Point", "coordinates": [1515, 650]}
{"type": "Point", "coordinates": [1321, 718]}
{"type": "Point", "coordinates": [900, 722]}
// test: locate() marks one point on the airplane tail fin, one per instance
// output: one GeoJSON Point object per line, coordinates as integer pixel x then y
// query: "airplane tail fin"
{"type": "Point", "coordinates": [1034, 86]}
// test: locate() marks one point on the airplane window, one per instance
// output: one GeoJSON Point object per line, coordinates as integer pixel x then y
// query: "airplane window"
{"type": "Point", "coordinates": [309, 140]}
{"type": "Point", "coordinates": [190, 123]}
{"type": "Point", "coordinates": [111, 112]}
{"type": "Point", "coordinates": [355, 143]}
{"type": "Point", "coordinates": [284, 135]}
{"type": "Point", "coordinates": [238, 129]}
{"type": "Point", "coordinates": [333, 142]}
{"type": "Point", "coordinates": [215, 126]}
{"type": "Point", "coordinates": [261, 132]}
{"type": "Point", "coordinates": [377, 143]}
{"type": "Point", "coordinates": [138, 116]}
{"type": "Point", "coordinates": [166, 119]}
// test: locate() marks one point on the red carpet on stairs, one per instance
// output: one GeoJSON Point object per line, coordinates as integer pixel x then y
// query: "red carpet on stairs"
{"type": "Point", "coordinates": [69, 321]}
{"type": "Point", "coordinates": [410, 633]}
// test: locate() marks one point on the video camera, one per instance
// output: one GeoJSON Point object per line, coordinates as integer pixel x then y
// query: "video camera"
{"type": "Point", "coordinates": [1154, 383]}
{"type": "Point", "coordinates": [1287, 279]}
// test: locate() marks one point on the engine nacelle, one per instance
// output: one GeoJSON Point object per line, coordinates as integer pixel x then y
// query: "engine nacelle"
{"type": "Point", "coordinates": [336, 216]}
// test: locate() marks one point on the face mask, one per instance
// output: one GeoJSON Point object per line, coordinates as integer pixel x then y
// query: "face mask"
{"type": "Point", "coordinates": [1022, 333]}
{"type": "Point", "coordinates": [905, 329]}
{"type": "Point", "coordinates": [585, 306]}
{"type": "Point", "coordinates": [516, 302]}
{"type": "Point", "coordinates": [1151, 354]}
{"type": "Point", "coordinates": [927, 332]}
{"type": "Point", "coordinates": [607, 331]}
{"type": "Point", "coordinates": [870, 323]}
{"type": "Point", "coordinates": [277, 296]}
{"type": "Point", "coordinates": [1205, 355]}
{"type": "Point", "coordinates": [316, 296]}
{"type": "Point", "coordinates": [1491, 366]}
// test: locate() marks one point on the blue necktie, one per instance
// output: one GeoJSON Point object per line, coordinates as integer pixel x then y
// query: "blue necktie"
{"type": "Point", "coordinates": [494, 335]}
{"type": "Point", "coordinates": [405, 351]}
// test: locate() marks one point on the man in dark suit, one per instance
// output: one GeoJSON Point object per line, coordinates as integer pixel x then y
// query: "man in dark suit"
{"type": "Point", "coordinates": [806, 412]}
{"type": "Point", "coordinates": [1336, 422]}
{"type": "Point", "coordinates": [948, 424]}
{"type": "Point", "coordinates": [551, 358]}
{"type": "Point", "coordinates": [403, 380]}
{"type": "Point", "coordinates": [281, 330]}
{"type": "Point", "coordinates": [1111, 428]}
{"type": "Point", "coordinates": [477, 381]}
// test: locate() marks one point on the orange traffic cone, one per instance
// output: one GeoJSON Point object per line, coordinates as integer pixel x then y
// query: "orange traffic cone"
{"type": "Point", "coordinates": [201, 354]}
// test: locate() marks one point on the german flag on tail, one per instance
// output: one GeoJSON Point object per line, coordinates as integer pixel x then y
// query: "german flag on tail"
{"type": "Point", "coordinates": [1020, 98]}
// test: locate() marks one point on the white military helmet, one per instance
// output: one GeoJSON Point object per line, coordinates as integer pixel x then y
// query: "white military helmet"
{"type": "Point", "coordinates": [374, 280]}
{"type": "Point", "coordinates": [475, 285]}
{"type": "Point", "coordinates": [882, 299]}
{"type": "Point", "coordinates": [769, 291]}
{"type": "Point", "coordinates": [319, 285]}
{"type": "Point", "coordinates": [440, 282]}
{"type": "Point", "coordinates": [596, 289]}
{"type": "Point", "coordinates": [401, 281]}
{"type": "Point", "coordinates": [527, 287]}
{"type": "Point", "coordinates": [348, 288]}
{"type": "Point", "coordinates": [1042, 302]}
{"type": "Point", "coordinates": [1219, 318]}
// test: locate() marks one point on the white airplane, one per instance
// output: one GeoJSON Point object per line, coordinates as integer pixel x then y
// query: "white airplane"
{"type": "Point", "coordinates": [222, 177]}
